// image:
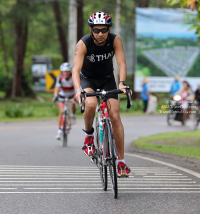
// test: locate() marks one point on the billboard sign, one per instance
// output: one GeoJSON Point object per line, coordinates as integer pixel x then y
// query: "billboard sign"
{"type": "Point", "coordinates": [166, 48]}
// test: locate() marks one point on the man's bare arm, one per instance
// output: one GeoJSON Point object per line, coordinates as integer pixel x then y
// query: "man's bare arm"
{"type": "Point", "coordinates": [79, 54]}
{"type": "Point", "coordinates": [121, 59]}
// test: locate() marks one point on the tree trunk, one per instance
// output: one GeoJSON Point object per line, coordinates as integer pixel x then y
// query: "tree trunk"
{"type": "Point", "coordinates": [21, 35]}
{"type": "Point", "coordinates": [143, 3]}
{"type": "Point", "coordinates": [61, 32]}
{"type": "Point", "coordinates": [80, 20]}
{"type": "Point", "coordinates": [2, 42]}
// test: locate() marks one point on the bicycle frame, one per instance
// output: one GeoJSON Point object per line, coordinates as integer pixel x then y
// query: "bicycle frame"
{"type": "Point", "coordinates": [102, 117]}
{"type": "Point", "coordinates": [65, 122]}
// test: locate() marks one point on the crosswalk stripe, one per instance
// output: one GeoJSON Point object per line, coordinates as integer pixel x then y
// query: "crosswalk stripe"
{"type": "Point", "coordinates": [77, 179]}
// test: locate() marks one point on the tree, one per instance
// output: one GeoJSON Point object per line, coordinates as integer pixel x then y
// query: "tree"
{"type": "Point", "coordinates": [2, 44]}
{"type": "Point", "coordinates": [193, 5]}
{"type": "Point", "coordinates": [80, 20]}
{"type": "Point", "coordinates": [61, 32]}
{"type": "Point", "coordinates": [21, 36]}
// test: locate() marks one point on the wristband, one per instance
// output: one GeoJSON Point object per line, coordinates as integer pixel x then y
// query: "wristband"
{"type": "Point", "coordinates": [122, 82]}
{"type": "Point", "coordinates": [78, 90]}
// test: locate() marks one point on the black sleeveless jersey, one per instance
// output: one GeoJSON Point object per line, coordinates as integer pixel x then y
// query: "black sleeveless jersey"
{"type": "Point", "coordinates": [98, 61]}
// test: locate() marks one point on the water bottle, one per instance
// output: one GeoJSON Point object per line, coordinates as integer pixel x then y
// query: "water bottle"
{"type": "Point", "coordinates": [101, 132]}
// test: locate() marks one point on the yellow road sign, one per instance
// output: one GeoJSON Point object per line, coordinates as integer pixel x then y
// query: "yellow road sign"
{"type": "Point", "coordinates": [51, 80]}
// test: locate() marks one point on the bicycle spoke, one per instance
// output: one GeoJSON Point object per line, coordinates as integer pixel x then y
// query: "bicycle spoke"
{"type": "Point", "coordinates": [112, 158]}
{"type": "Point", "coordinates": [102, 168]}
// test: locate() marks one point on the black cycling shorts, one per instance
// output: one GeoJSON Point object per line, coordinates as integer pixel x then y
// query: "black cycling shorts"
{"type": "Point", "coordinates": [108, 83]}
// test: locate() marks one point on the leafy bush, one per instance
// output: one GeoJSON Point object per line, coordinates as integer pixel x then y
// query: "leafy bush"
{"type": "Point", "coordinates": [28, 112]}
{"type": "Point", "coordinates": [55, 111]}
{"type": "Point", "coordinates": [137, 105]}
{"type": "Point", "coordinates": [16, 111]}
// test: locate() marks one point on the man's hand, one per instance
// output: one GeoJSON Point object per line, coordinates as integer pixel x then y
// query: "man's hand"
{"type": "Point", "coordinates": [122, 87]}
{"type": "Point", "coordinates": [78, 97]}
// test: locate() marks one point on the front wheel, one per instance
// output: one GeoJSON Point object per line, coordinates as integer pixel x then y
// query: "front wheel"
{"type": "Point", "coordinates": [102, 168]}
{"type": "Point", "coordinates": [65, 131]}
{"type": "Point", "coordinates": [111, 158]}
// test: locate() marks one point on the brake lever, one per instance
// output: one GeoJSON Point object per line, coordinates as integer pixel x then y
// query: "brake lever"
{"type": "Point", "coordinates": [82, 101]}
{"type": "Point", "coordinates": [128, 94]}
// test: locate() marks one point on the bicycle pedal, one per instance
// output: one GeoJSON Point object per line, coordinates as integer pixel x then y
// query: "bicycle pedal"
{"type": "Point", "coordinates": [123, 176]}
{"type": "Point", "coordinates": [93, 159]}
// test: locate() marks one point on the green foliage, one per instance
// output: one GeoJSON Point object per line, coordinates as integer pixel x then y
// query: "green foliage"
{"type": "Point", "coordinates": [195, 67]}
{"type": "Point", "coordinates": [179, 143]}
{"type": "Point", "coordinates": [137, 105]}
{"type": "Point", "coordinates": [16, 111]}
{"type": "Point", "coordinates": [195, 21]}
{"type": "Point", "coordinates": [28, 112]}
{"type": "Point", "coordinates": [55, 111]}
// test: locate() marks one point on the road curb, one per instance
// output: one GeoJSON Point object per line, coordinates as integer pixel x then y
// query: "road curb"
{"type": "Point", "coordinates": [189, 160]}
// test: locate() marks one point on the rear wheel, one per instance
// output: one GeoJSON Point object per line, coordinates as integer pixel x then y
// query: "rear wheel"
{"type": "Point", "coordinates": [102, 168]}
{"type": "Point", "coordinates": [111, 158]}
{"type": "Point", "coordinates": [65, 131]}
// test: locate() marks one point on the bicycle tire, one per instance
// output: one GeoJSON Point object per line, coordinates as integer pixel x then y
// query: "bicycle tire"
{"type": "Point", "coordinates": [102, 168]}
{"type": "Point", "coordinates": [65, 137]}
{"type": "Point", "coordinates": [112, 158]}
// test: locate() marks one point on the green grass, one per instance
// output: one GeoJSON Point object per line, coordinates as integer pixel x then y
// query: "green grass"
{"type": "Point", "coordinates": [178, 143]}
{"type": "Point", "coordinates": [22, 109]}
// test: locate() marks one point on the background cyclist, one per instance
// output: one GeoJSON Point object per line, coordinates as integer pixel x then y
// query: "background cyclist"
{"type": "Point", "coordinates": [94, 58]}
{"type": "Point", "coordinates": [64, 87]}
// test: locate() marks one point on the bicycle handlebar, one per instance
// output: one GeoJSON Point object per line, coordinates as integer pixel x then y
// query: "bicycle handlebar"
{"type": "Point", "coordinates": [115, 91]}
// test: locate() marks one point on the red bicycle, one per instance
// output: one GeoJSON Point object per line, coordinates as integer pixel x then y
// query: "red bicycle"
{"type": "Point", "coordinates": [106, 153]}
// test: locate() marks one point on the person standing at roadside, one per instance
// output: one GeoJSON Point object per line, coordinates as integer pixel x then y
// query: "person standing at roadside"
{"type": "Point", "coordinates": [176, 86]}
{"type": "Point", "coordinates": [145, 94]}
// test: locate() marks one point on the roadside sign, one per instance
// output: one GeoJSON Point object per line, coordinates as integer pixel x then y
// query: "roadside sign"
{"type": "Point", "coordinates": [51, 77]}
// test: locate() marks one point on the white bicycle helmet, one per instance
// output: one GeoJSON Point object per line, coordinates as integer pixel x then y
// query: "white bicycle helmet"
{"type": "Point", "coordinates": [65, 67]}
{"type": "Point", "coordinates": [100, 18]}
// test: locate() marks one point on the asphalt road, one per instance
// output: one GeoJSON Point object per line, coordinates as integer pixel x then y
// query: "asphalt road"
{"type": "Point", "coordinates": [38, 175]}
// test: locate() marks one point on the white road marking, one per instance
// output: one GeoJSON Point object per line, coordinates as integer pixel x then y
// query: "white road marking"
{"type": "Point", "coordinates": [70, 179]}
{"type": "Point", "coordinates": [165, 176]}
{"type": "Point", "coordinates": [95, 184]}
{"type": "Point", "coordinates": [166, 164]}
{"type": "Point", "coordinates": [7, 188]}
{"type": "Point", "coordinates": [96, 178]}
{"type": "Point", "coordinates": [91, 188]}
{"type": "Point", "coordinates": [104, 192]}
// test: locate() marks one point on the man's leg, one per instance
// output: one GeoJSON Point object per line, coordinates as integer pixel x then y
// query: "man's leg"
{"type": "Point", "coordinates": [118, 129]}
{"type": "Point", "coordinates": [118, 132]}
{"type": "Point", "coordinates": [73, 112]}
{"type": "Point", "coordinates": [90, 107]}
{"type": "Point", "coordinates": [73, 107]}
{"type": "Point", "coordinates": [61, 107]}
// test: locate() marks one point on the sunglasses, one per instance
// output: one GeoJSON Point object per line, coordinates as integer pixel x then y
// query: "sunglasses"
{"type": "Point", "coordinates": [103, 30]}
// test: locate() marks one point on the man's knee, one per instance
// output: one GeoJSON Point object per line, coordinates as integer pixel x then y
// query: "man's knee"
{"type": "Point", "coordinates": [114, 116]}
{"type": "Point", "coordinates": [90, 104]}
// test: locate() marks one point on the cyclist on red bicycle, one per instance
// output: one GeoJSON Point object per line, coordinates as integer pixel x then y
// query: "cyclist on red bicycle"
{"type": "Point", "coordinates": [94, 58]}
{"type": "Point", "coordinates": [64, 87]}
